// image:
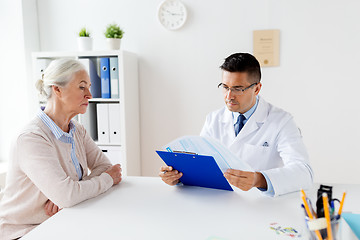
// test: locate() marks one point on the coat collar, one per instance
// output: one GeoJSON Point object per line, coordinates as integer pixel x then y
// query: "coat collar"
{"type": "Point", "coordinates": [254, 123]}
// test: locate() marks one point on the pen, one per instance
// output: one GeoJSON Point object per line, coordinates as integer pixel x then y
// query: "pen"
{"type": "Point", "coordinates": [303, 196]}
{"type": "Point", "coordinates": [332, 208]}
{"type": "Point", "coordinates": [327, 216]}
{"type": "Point", "coordinates": [303, 207]}
{"type": "Point", "coordinates": [341, 204]}
{"type": "Point", "coordinates": [311, 208]}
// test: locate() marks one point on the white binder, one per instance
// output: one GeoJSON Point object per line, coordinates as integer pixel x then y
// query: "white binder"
{"type": "Point", "coordinates": [114, 77]}
{"type": "Point", "coordinates": [103, 122]}
{"type": "Point", "coordinates": [114, 123]}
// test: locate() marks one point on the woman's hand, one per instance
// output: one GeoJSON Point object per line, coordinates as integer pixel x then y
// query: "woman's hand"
{"type": "Point", "coordinates": [115, 173]}
{"type": "Point", "coordinates": [169, 175]}
{"type": "Point", "coordinates": [50, 208]}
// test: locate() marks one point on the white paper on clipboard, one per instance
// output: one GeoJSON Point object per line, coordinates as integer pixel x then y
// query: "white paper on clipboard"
{"type": "Point", "coordinates": [210, 147]}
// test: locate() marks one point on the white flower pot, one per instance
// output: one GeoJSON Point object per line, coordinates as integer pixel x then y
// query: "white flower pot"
{"type": "Point", "coordinates": [113, 43]}
{"type": "Point", "coordinates": [85, 43]}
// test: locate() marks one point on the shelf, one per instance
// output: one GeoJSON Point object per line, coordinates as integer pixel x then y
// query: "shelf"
{"type": "Point", "coordinates": [108, 144]}
{"type": "Point", "coordinates": [126, 149]}
{"type": "Point", "coordinates": [83, 54]}
{"type": "Point", "coordinates": [104, 100]}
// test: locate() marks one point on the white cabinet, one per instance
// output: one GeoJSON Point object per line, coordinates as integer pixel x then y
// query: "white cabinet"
{"type": "Point", "coordinates": [113, 123]}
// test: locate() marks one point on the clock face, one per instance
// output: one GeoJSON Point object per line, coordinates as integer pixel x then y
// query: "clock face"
{"type": "Point", "coordinates": [172, 14]}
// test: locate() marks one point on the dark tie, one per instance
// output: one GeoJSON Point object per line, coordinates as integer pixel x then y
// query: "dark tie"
{"type": "Point", "coordinates": [239, 124]}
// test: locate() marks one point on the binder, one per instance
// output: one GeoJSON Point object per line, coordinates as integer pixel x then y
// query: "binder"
{"type": "Point", "coordinates": [91, 67]}
{"type": "Point", "coordinates": [114, 122]}
{"type": "Point", "coordinates": [105, 77]}
{"type": "Point", "coordinates": [95, 80]}
{"type": "Point", "coordinates": [114, 77]}
{"type": "Point", "coordinates": [198, 170]}
{"type": "Point", "coordinates": [103, 122]}
{"type": "Point", "coordinates": [89, 121]}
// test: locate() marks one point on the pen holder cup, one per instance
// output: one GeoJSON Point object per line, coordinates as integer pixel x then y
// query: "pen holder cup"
{"type": "Point", "coordinates": [320, 225]}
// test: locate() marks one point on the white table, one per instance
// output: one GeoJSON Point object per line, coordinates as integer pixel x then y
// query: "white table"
{"type": "Point", "coordinates": [147, 208]}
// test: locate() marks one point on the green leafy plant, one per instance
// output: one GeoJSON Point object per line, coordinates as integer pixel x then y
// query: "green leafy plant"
{"type": "Point", "coordinates": [84, 33]}
{"type": "Point", "coordinates": [113, 31]}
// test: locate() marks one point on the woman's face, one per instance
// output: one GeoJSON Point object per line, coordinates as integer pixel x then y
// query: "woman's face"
{"type": "Point", "coordinates": [76, 94]}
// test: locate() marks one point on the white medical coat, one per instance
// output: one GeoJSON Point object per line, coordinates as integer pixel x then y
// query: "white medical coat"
{"type": "Point", "coordinates": [269, 142]}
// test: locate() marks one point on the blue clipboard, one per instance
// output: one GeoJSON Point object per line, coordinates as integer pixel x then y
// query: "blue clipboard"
{"type": "Point", "coordinates": [198, 170]}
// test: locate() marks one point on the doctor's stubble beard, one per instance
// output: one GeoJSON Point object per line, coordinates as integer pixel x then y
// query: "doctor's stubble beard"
{"type": "Point", "coordinates": [231, 102]}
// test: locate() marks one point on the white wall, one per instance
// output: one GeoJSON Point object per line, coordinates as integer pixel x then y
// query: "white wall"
{"type": "Point", "coordinates": [11, 35]}
{"type": "Point", "coordinates": [316, 80]}
{"type": "Point", "coordinates": [14, 67]}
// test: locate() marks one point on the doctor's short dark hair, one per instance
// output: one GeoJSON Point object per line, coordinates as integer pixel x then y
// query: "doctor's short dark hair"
{"type": "Point", "coordinates": [243, 62]}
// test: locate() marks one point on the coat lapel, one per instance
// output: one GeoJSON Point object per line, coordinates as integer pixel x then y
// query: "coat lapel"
{"type": "Point", "coordinates": [255, 121]}
{"type": "Point", "coordinates": [228, 126]}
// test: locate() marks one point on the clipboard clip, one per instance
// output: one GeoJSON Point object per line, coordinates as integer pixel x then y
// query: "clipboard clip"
{"type": "Point", "coordinates": [185, 152]}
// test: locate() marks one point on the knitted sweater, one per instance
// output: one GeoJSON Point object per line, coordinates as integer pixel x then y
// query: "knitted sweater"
{"type": "Point", "coordinates": [40, 169]}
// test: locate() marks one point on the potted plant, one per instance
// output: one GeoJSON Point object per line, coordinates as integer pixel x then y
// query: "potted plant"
{"type": "Point", "coordinates": [113, 34]}
{"type": "Point", "coordinates": [84, 40]}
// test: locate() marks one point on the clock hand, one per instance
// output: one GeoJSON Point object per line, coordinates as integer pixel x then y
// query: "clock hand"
{"type": "Point", "coordinates": [178, 14]}
{"type": "Point", "coordinates": [169, 12]}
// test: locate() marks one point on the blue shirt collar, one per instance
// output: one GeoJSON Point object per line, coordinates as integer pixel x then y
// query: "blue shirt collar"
{"type": "Point", "coordinates": [248, 114]}
{"type": "Point", "coordinates": [55, 129]}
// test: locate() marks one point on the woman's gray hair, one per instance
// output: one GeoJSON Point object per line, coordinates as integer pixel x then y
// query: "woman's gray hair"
{"type": "Point", "coordinates": [58, 73]}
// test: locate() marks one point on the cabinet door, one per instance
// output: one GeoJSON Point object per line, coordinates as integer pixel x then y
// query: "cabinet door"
{"type": "Point", "coordinates": [115, 156]}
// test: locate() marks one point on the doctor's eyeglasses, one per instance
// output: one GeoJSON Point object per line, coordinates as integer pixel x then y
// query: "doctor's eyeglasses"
{"type": "Point", "coordinates": [235, 90]}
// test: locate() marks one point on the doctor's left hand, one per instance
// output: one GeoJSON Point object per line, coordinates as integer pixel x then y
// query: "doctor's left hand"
{"type": "Point", "coordinates": [245, 180]}
{"type": "Point", "coordinates": [50, 208]}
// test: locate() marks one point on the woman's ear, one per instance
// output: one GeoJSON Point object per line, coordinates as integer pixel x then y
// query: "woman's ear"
{"type": "Point", "coordinates": [56, 90]}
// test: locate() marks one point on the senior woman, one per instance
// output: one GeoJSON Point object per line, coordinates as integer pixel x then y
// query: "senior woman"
{"type": "Point", "coordinates": [52, 155]}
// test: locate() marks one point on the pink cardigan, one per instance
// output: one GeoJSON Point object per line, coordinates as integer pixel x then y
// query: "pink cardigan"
{"type": "Point", "coordinates": [41, 169]}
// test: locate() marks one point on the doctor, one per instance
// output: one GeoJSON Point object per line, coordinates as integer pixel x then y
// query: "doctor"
{"type": "Point", "coordinates": [260, 134]}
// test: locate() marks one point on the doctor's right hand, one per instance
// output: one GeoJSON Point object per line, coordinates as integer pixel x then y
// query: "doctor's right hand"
{"type": "Point", "coordinates": [169, 175]}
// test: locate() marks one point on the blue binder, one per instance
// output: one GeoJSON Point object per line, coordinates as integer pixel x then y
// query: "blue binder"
{"type": "Point", "coordinates": [198, 170]}
{"type": "Point", "coordinates": [105, 77]}
{"type": "Point", "coordinates": [94, 79]}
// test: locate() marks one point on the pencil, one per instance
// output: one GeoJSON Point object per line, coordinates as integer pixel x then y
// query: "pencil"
{"type": "Point", "coordinates": [303, 196]}
{"type": "Point", "coordinates": [327, 216]}
{"type": "Point", "coordinates": [341, 204]}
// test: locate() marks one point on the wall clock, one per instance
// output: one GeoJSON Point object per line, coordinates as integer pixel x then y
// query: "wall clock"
{"type": "Point", "coordinates": [172, 14]}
